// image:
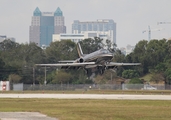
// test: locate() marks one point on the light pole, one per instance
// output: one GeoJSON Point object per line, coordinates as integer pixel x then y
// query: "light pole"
{"type": "Point", "coordinates": [33, 76]}
{"type": "Point", "coordinates": [45, 76]}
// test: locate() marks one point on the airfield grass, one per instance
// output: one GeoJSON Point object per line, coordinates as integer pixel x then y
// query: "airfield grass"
{"type": "Point", "coordinates": [79, 109]}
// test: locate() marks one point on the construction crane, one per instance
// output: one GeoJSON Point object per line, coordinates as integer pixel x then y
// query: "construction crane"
{"type": "Point", "coordinates": [149, 32]}
{"type": "Point", "coordinates": [158, 23]}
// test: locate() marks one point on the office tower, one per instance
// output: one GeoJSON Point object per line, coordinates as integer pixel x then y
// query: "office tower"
{"type": "Point", "coordinates": [105, 27]}
{"type": "Point", "coordinates": [44, 25]}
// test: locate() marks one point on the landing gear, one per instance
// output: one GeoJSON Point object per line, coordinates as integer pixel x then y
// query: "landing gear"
{"type": "Point", "coordinates": [88, 72]}
{"type": "Point", "coordinates": [101, 69]}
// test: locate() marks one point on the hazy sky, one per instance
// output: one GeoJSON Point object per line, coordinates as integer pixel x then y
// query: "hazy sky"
{"type": "Point", "coordinates": [131, 16]}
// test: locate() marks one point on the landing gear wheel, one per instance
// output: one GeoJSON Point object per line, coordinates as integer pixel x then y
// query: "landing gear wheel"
{"type": "Point", "coordinates": [101, 71]}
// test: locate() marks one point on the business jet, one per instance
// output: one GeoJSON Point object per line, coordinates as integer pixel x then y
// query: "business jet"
{"type": "Point", "coordinates": [99, 60]}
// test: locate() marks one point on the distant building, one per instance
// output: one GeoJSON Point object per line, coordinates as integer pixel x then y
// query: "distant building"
{"type": "Point", "coordinates": [129, 49]}
{"type": "Point", "coordinates": [123, 50]}
{"type": "Point", "coordinates": [44, 25]}
{"type": "Point", "coordinates": [80, 36]}
{"type": "Point", "coordinates": [4, 37]}
{"type": "Point", "coordinates": [104, 26]}
{"type": "Point", "coordinates": [12, 39]}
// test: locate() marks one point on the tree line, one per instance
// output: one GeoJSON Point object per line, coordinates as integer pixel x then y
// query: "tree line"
{"type": "Point", "coordinates": [17, 62]}
{"type": "Point", "coordinates": [155, 57]}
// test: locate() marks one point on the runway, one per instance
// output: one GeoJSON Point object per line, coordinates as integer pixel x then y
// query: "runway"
{"type": "Point", "coordinates": [89, 96]}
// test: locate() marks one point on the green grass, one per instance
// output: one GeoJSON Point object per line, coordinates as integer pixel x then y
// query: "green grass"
{"type": "Point", "coordinates": [79, 109]}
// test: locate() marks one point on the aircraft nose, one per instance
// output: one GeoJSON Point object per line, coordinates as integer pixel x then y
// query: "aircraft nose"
{"type": "Point", "coordinates": [110, 54]}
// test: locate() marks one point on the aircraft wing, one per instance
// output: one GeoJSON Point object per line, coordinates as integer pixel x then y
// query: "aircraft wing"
{"type": "Point", "coordinates": [67, 61]}
{"type": "Point", "coordinates": [122, 64]}
{"type": "Point", "coordinates": [68, 64]}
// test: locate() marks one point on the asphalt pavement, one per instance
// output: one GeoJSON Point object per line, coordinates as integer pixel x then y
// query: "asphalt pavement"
{"type": "Point", "coordinates": [89, 96]}
{"type": "Point", "coordinates": [24, 116]}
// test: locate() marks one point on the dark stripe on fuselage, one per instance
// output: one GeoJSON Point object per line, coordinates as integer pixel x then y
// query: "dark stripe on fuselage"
{"type": "Point", "coordinates": [98, 58]}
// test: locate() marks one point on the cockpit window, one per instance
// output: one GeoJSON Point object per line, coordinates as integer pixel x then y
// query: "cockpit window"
{"type": "Point", "coordinates": [104, 51]}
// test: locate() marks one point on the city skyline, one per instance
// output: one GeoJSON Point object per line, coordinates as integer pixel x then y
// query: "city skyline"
{"type": "Point", "coordinates": [132, 17]}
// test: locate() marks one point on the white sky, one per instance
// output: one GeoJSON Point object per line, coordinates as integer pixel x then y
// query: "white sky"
{"type": "Point", "coordinates": [131, 16]}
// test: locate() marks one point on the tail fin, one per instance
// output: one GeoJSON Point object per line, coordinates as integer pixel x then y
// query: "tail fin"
{"type": "Point", "coordinates": [80, 52]}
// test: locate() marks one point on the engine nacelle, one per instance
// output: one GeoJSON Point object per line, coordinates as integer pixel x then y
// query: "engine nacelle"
{"type": "Point", "coordinates": [80, 60]}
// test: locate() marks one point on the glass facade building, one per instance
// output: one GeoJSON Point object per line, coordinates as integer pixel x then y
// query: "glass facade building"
{"type": "Point", "coordinates": [107, 26]}
{"type": "Point", "coordinates": [44, 25]}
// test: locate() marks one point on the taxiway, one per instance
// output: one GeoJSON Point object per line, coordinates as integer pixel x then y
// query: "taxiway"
{"type": "Point", "coordinates": [89, 96]}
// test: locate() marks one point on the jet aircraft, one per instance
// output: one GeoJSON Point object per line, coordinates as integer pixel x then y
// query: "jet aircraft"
{"type": "Point", "coordinates": [99, 60]}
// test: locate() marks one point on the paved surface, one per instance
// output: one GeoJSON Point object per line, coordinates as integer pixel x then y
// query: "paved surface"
{"type": "Point", "coordinates": [89, 96]}
{"type": "Point", "coordinates": [24, 116]}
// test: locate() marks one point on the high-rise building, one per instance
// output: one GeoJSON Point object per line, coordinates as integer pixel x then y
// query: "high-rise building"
{"type": "Point", "coordinates": [44, 25]}
{"type": "Point", "coordinates": [105, 26]}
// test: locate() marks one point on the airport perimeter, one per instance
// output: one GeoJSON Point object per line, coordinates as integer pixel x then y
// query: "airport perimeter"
{"type": "Point", "coordinates": [85, 87]}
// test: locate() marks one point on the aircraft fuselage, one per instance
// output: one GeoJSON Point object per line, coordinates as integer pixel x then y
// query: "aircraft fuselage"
{"type": "Point", "coordinates": [99, 57]}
